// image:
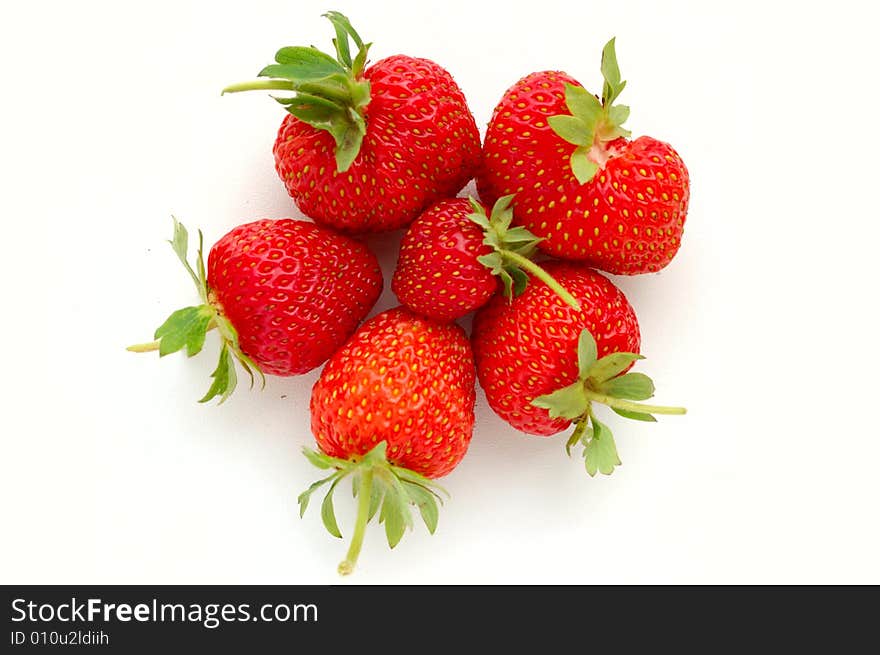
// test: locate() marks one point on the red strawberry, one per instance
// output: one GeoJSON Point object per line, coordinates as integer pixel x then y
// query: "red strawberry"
{"type": "Point", "coordinates": [283, 294]}
{"type": "Point", "coordinates": [367, 149]}
{"type": "Point", "coordinates": [450, 255]}
{"type": "Point", "coordinates": [581, 185]}
{"type": "Point", "coordinates": [543, 364]}
{"type": "Point", "coordinates": [393, 407]}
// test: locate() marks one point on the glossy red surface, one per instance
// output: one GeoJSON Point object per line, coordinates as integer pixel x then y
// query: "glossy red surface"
{"type": "Point", "coordinates": [628, 219]}
{"type": "Point", "coordinates": [437, 273]}
{"type": "Point", "coordinates": [294, 291]}
{"type": "Point", "coordinates": [421, 145]}
{"type": "Point", "coordinates": [528, 347]}
{"type": "Point", "coordinates": [403, 379]}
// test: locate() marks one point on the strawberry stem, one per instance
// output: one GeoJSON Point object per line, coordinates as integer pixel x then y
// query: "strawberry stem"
{"type": "Point", "coordinates": [628, 406]}
{"type": "Point", "coordinates": [155, 345]}
{"type": "Point", "coordinates": [259, 85]}
{"type": "Point", "coordinates": [380, 487]}
{"type": "Point", "coordinates": [365, 492]}
{"type": "Point", "coordinates": [541, 274]}
{"type": "Point", "coordinates": [145, 347]}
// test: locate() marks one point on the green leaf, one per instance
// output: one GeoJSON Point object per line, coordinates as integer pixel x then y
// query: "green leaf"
{"type": "Point", "coordinates": [612, 365]}
{"type": "Point", "coordinates": [307, 101]}
{"type": "Point", "coordinates": [582, 166]}
{"type": "Point", "coordinates": [502, 214]}
{"type": "Point", "coordinates": [297, 63]}
{"type": "Point", "coordinates": [328, 515]}
{"type": "Point", "coordinates": [392, 514]}
{"type": "Point", "coordinates": [344, 30]}
{"type": "Point", "coordinates": [185, 327]}
{"type": "Point", "coordinates": [408, 475]}
{"type": "Point", "coordinates": [227, 331]}
{"type": "Point", "coordinates": [376, 455]}
{"type": "Point", "coordinates": [343, 52]}
{"type": "Point", "coordinates": [587, 353]}
{"type": "Point", "coordinates": [572, 441]}
{"type": "Point", "coordinates": [376, 496]}
{"type": "Point", "coordinates": [360, 59]}
{"type": "Point", "coordinates": [632, 386]}
{"type": "Point", "coordinates": [519, 235]}
{"type": "Point", "coordinates": [583, 105]}
{"type": "Point", "coordinates": [180, 244]}
{"type": "Point", "coordinates": [355, 483]}
{"type": "Point", "coordinates": [618, 114]}
{"type": "Point", "coordinates": [636, 416]}
{"type": "Point", "coordinates": [318, 116]}
{"type": "Point", "coordinates": [611, 73]}
{"type": "Point", "coordinates": [230, 336]}
{"type": "Point", "coordinates": [520, 280]}
{"type": "Point", "coordinates": [616, 92]}
{"type": "Point", "coordinates": [427, 504]}
{"type": "Point", "coordinates": [478, 216]}
{"type": "Point", "coordinates": [305, 496]}
{"type": "Point", "coordinates": [348, 144]}
{"type": "Point", "coordinates": [572, 129]}
{"type": "Point", "coordinates": [338, 18]}
{"type": "Point", "coordinates": [492, 261]}
{"type": "Point", "coordinates": [298, 54]}
{"type": "Point", "coordinates": [323, 461]}
{"type": "Point", "coordinates": [360, 97]}
{"type": "Point", "coordinates": [200, 266]}
{"type": "Point", "coordinates": [250, 367]}
{"type": "Point", "coordinates": [600, 454]}
{"type": "Point", "coordinates": [396, 491]}
{"type": "Point", "coordinates": [333, 87]}
{"type": "Point", "coordinates": [586, 434]}
{"type": "Point", "coordinates": [569, 402]}
{"type": "Point", "coordinates": [506, 283]}
{"type": "Point", "coordinates": [224, 376]}
{"type": "Point", "coordinates": [430, 513]}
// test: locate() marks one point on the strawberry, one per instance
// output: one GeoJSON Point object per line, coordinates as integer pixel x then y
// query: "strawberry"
{"type": "Point", "coordinates": [450, 255]}
{"type": "Point", "coordinates": [582, 186]}
{"type": "Point", "coordinates": [366, 149]}
{"type": "Point", "coordinates": [543, 365]}
{"type": "Point", "coordinates": [393, 408]}
{"type": "Point", "coordinates": [283, 294]}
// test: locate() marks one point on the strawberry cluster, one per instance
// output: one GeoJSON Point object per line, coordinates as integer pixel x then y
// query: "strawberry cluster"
{"type": "Point", "coordinates": [373, 148]}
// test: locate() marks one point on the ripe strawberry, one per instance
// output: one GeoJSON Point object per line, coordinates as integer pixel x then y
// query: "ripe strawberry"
{"type": "Point", "coordinates": [283, 294]}
{"type": "Point", "coordinates": [393, 407]}
{"type": "Point", "coordinates": [581, 185]}
{"type": "Point", "coordinates": [543, 364]}
{"type": "Point", "coordinates": [450, 255]}
{"type": "Point", "coordinates": [367, 149]}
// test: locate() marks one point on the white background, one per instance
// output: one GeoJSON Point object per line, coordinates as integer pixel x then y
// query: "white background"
{"type": "Point", "coordinates": [764, 325]}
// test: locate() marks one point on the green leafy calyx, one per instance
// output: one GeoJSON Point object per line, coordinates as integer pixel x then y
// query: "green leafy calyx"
{"type": "Point", "coordinates": [379, 487]}
{"type": "Point", "coordinates": [187, 328]}
{"type": "Point", "coordinates": [512, 249]}
{"type": "Point", "coordinates": [592, 122]}
{"type": "Point", "coordinates": [600, 380]}
{"type": "Point", "coordinates": [328, 93]}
